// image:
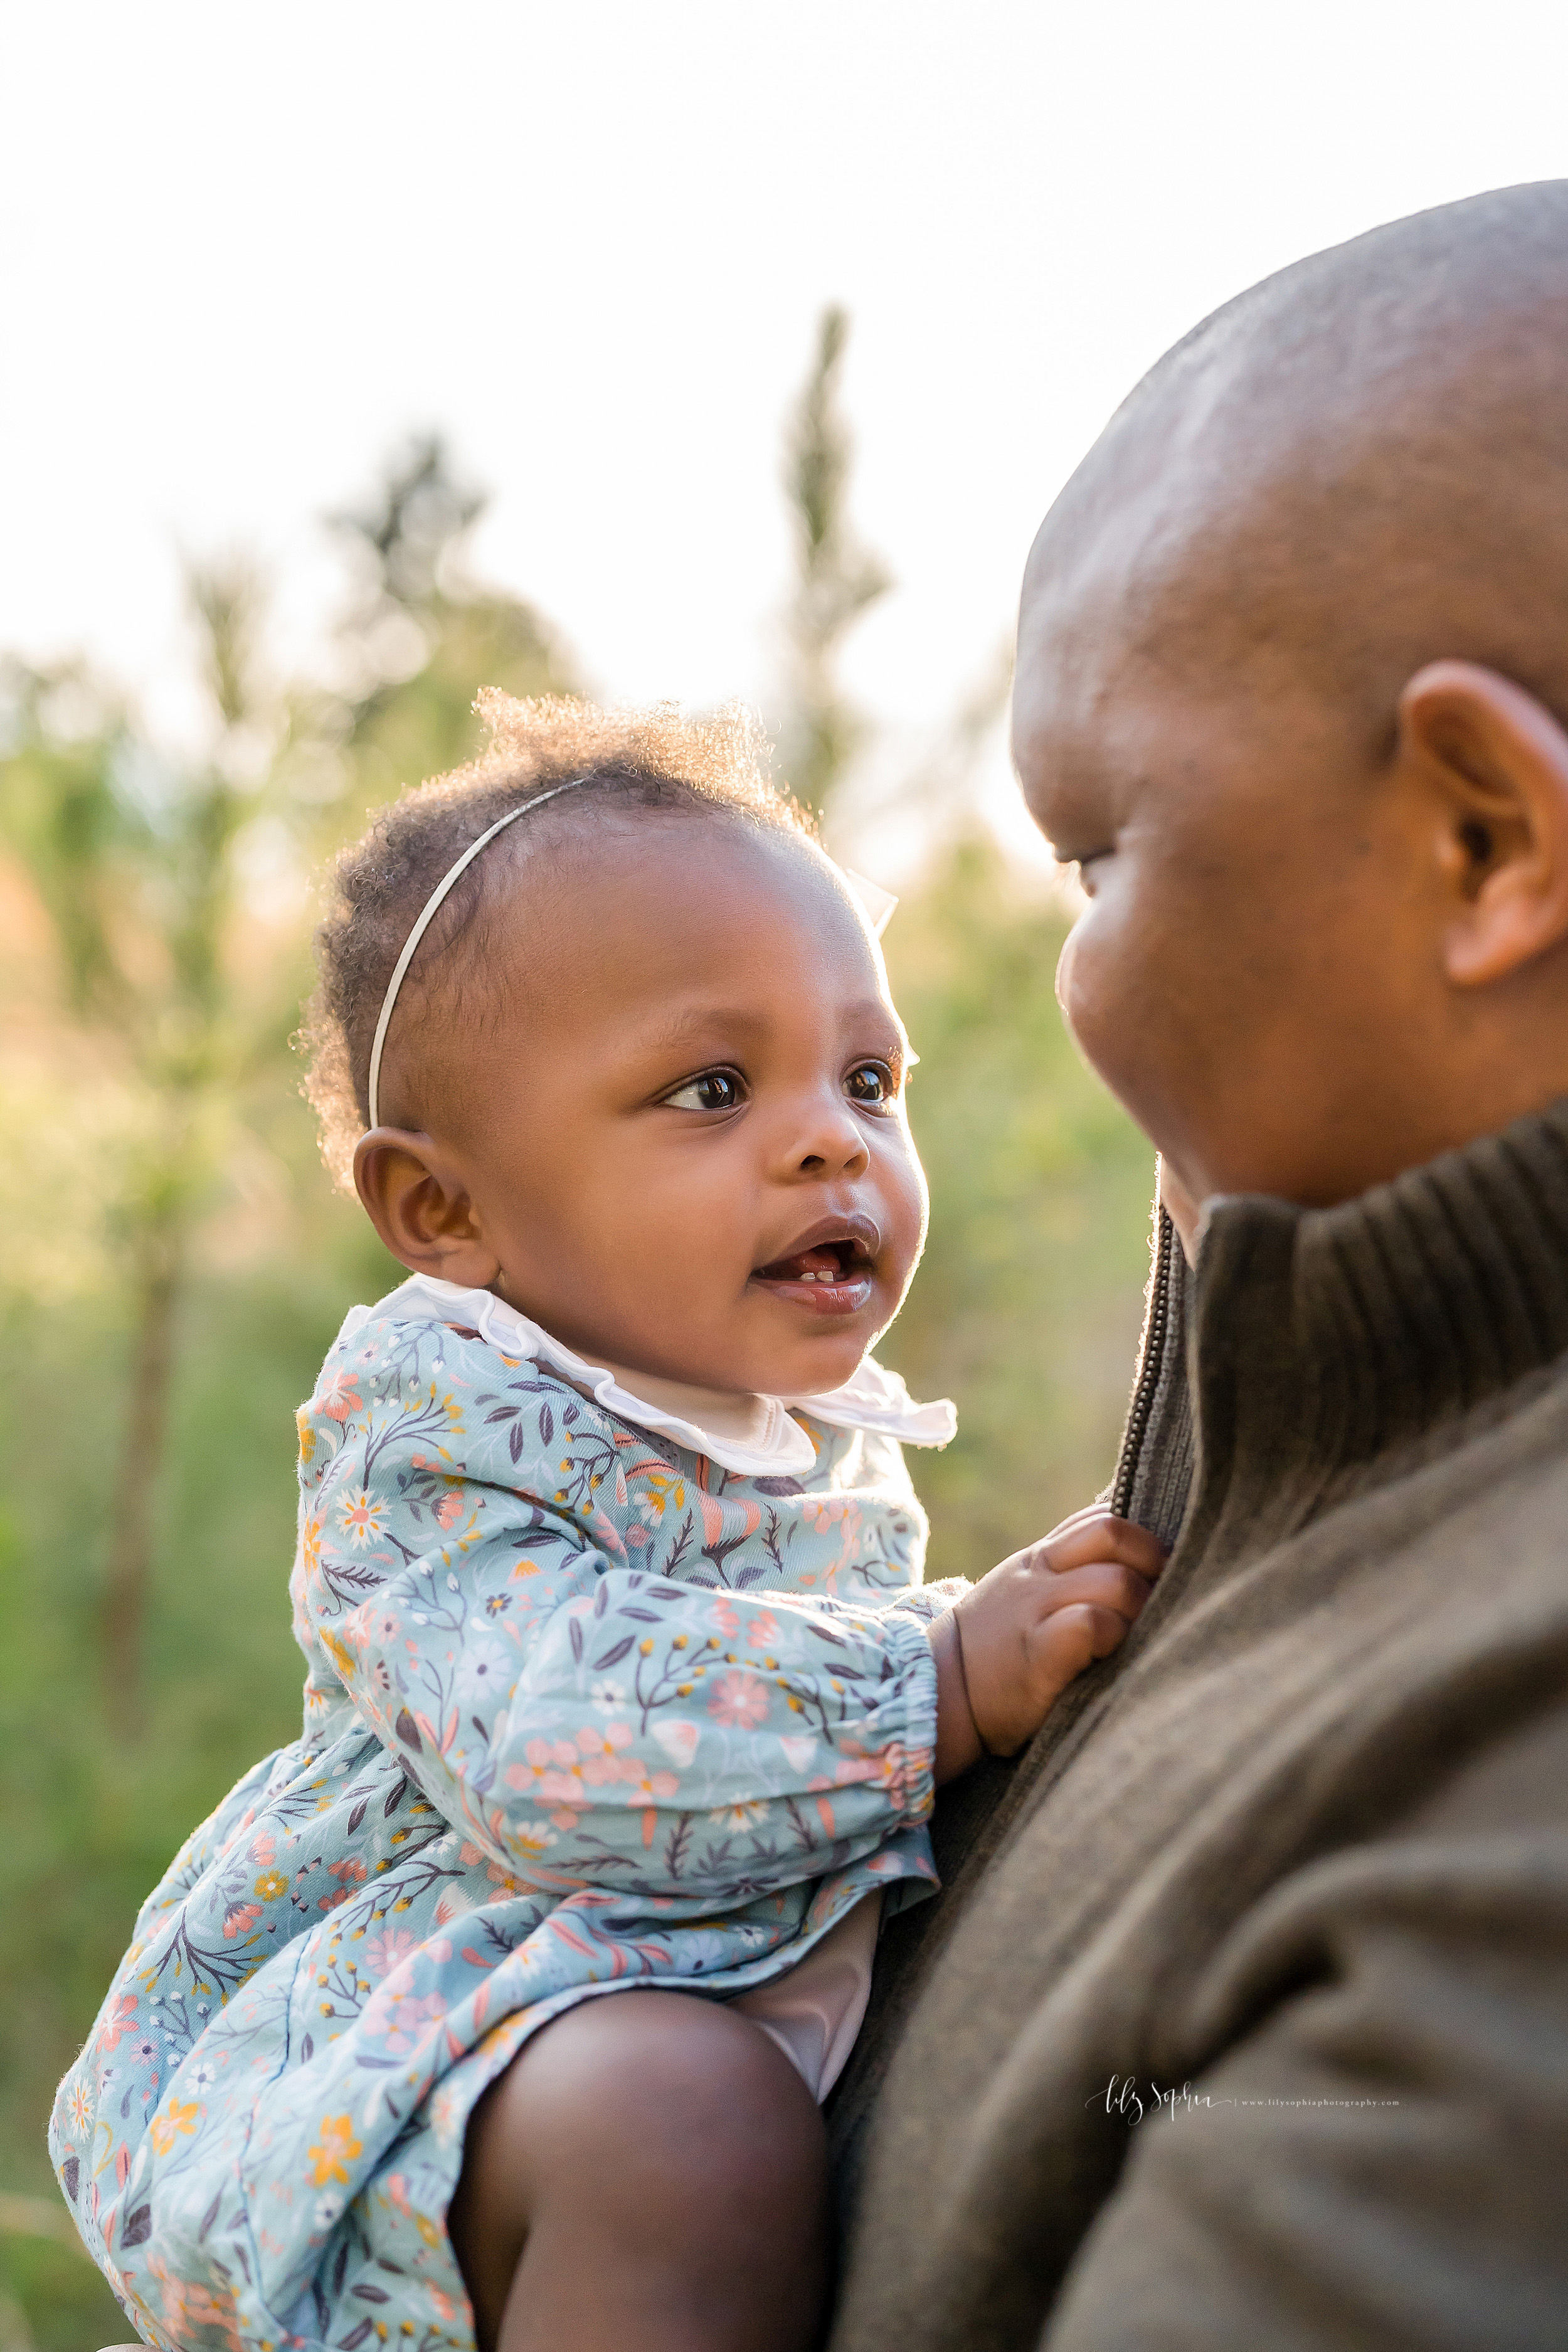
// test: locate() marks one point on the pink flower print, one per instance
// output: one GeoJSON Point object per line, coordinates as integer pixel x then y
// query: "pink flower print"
{"type": "Point", "coordinates": [727, 1617]}
{"type": "Point", "coordinates": [338, 1396]}
{"type": "Point", "coordinates": [762, 1631]}
{"type": "Point", "coordinates": [350, 1875]}
{"type": "Point", "coordinates": [389, 1951]}
{"type": "Point", "coordinates": [401, 2017]}
{"type": "Point", "coordinates": [739, 1699]}
{"type": "Point", "coordinates": [603, 1760]}
{"type": "Point", "coordinates": [448, 1511]}
{"type": "Point", "coordinates": [264, 1848]}
{"type": "Point", "coordinates": [361, 1518]}
{"type": "Point", "coordinates": [119, 2022]}
{"type": "Point", "coordinates": [823, 1511]}
{"type": "Point", "coordinates": [193, 2310]}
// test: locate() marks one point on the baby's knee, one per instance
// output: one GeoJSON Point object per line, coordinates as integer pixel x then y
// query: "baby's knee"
{"type": "Point", "coordinates": [664, 2146]}
{"type": "Point", "coordinates": [681, 2097]}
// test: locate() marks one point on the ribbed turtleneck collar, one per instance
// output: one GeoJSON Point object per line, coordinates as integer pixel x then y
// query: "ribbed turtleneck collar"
{"type": "Point", "coordinates": [1324, 1347]}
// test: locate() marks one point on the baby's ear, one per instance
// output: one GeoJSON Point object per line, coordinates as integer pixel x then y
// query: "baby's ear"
{"type": "Point", "coordinates": [1489, 764]}
{"type": "Point", "coordinates": [420, 1207]}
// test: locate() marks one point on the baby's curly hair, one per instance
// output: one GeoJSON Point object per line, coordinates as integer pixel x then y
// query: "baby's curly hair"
{"type": "Point", "coordinates": [647, 760]}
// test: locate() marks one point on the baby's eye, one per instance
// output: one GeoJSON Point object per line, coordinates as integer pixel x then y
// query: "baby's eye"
{"type": "Point", "coordinates": [711, 1090]}
{"type": "Point", "coordinates": [872, 1085]}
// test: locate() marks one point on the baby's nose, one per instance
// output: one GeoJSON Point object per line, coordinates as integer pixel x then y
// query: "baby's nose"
{"type": "Point", "coordinates": [831, 1143]}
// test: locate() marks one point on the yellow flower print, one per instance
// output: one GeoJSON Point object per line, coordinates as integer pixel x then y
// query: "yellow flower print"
{"type": "Point", "coordinates": [271, 1885]}
{"type": "Point", "coordinates": [343, 1658]}
{"type": "Point", "coordinates": [337, 2151]}
{"type": "Point", "coordinates": [166, 2128]}
{"type": "Point", "coordinates": [307, 1438]}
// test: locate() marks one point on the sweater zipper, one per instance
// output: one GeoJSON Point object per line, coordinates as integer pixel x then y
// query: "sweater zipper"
{"type": "Point", "coordinates": [1149, 1369]}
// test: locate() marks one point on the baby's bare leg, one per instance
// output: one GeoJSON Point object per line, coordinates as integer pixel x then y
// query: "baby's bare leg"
{"type": "Point", "coordinates": [648, 2175]}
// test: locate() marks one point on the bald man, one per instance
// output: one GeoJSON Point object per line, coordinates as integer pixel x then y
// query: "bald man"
{"type": "Point", "coordinates": [1243, 2021]}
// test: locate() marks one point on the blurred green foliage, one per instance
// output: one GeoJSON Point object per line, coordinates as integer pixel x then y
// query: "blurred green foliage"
{"type": "Point", "coordinates": [1026, 1309]}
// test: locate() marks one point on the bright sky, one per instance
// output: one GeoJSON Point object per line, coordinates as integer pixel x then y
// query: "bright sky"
{"type": "Point", "coordinates": [246, 249]}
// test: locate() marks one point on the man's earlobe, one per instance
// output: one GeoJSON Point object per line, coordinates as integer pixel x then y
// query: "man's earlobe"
{"type": "Point", "coordinates": [1491, 763]}
{"type": "Point", "coordinates": [420, 1208]}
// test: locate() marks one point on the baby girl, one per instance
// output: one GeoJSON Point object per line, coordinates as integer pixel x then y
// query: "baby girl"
{"type": "Point", "coordinates": [621, 1675]}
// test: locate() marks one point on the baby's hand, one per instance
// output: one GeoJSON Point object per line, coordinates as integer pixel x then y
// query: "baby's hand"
{"type": "Point", "coordinates": [1006, 1653]}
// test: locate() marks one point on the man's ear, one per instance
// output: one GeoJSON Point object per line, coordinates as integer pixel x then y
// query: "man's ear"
{"type": "Point", "coordinates": [420, 1209]}
{"type": "Point", "coordinates": [1495, 760]}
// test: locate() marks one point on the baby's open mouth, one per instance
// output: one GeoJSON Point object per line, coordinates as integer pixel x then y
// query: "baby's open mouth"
{"type": "Point", "coordinates": [830, 1271]}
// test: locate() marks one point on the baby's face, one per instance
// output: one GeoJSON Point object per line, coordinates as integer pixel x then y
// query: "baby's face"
{"type": "Point", "coordinates": [685, 1145]}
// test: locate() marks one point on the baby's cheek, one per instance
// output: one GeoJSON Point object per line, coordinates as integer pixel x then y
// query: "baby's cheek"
{"type": "Point", "coordinates": [906, 1201]}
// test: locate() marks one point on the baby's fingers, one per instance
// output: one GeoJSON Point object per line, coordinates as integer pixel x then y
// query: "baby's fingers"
{"type": "Point", "coordinates": [1072, 1638]}
{"type": "Point", "coordinates": [1103, 1584]}
{"type": "Point", "coordinates": [1096, 1536]}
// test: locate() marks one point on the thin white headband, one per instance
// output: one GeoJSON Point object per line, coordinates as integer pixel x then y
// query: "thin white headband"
{"type": "Point", "coordinates": [878, 905]}
{"type": "Point", "coordinates": [427, 914]}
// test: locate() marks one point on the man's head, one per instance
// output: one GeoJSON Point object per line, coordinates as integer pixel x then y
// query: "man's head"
{"type": "Point", "coordinates": [1293, 691]}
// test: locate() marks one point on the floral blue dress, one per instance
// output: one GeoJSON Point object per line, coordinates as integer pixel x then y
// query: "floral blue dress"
{"type": "Point", "coordinates": [585, 1708]}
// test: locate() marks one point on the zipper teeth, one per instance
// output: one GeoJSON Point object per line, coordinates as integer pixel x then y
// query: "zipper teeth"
{"type": "Point", "coordinates": [1148, 1371]}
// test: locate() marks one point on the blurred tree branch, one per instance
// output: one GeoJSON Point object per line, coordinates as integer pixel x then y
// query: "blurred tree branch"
{"type": "Point", "coordinates": [133, 860]}
{"type": "Point", "coordinates": [433, 632]}
{"type": "Point", "coordinates": [836, 580]}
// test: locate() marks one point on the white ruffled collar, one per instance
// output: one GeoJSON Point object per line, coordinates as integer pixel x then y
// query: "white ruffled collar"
{"type": "Point", "coordinates": [873, 1399]}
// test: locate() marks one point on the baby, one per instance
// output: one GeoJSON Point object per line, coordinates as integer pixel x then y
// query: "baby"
{"type": "Point", "coordinates": [622, 1676]}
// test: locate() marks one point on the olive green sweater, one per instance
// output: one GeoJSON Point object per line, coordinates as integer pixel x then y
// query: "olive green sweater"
{"type": "Point", "coordinates": [1296, 1855]}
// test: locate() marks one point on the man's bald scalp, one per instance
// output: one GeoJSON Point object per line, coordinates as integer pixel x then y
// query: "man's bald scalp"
{"type": "Point", "coordinates": [1357, 467]}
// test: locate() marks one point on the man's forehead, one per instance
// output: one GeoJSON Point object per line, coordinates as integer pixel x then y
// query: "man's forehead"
{"type": "Point", "coordinates": [1075, 649]}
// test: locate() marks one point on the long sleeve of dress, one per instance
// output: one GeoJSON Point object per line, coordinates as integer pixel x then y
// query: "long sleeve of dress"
{"type": "Point", "coordinates": [470, 1574]}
